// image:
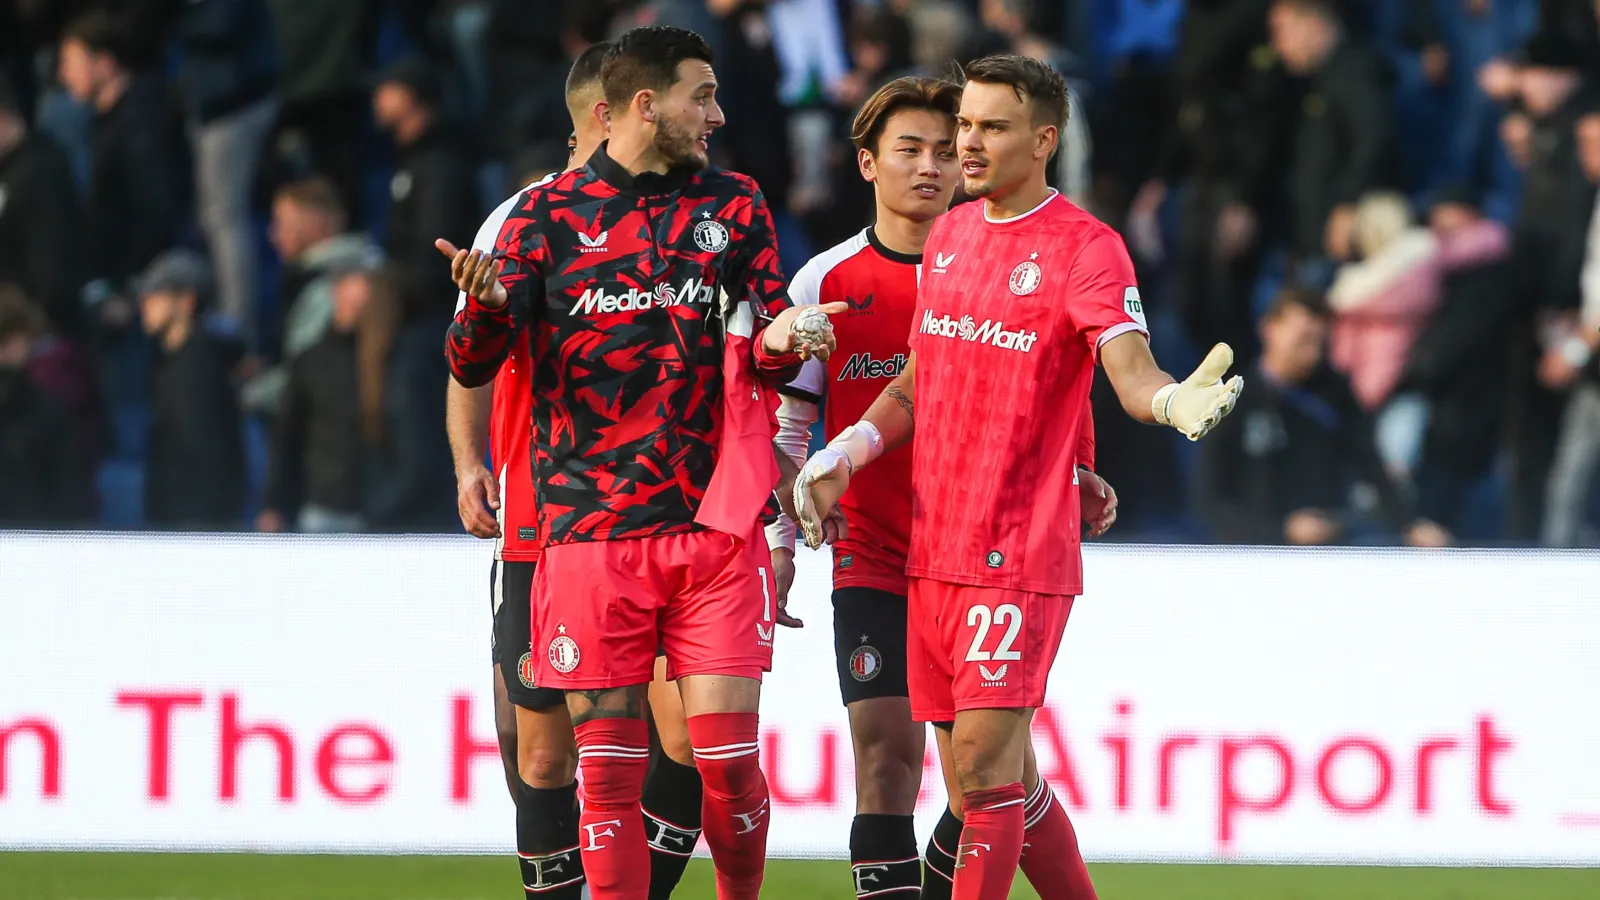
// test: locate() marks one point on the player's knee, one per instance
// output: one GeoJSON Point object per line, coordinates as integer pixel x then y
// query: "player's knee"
{"type": "Point", "coordinates": [675, 744]}
{"type": "Point", "coordinates": [547, 765]}
{"type": "Point", "coordinates": [983, 764]}
{"type": "Point", "coordinates": [887, 778]}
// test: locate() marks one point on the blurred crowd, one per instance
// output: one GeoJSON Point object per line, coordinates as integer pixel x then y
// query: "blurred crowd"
{"type": "Point", "coordinates": [220, 306]}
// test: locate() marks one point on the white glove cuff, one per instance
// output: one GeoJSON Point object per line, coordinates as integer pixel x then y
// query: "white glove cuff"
{"type": "Point", "coordinates": [781, 533]}
{"type": "Point", "coordinates": [1161, 403]}
{"type": "Point", "coordinates": [860, 444]}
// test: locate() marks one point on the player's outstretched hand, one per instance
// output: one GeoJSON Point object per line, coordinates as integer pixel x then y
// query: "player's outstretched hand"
{"type": "Point", "coordinates": [1195, 405]}
{"type": "Point", "coordinates": [477, 495]}
{"type": "Point", "coordinates": [804, 330]}
{"type": "Point", "coordinates": [1098, 503]}
{"type": "Point", "coordinates": [476, 272]}
{"type": "Point", "coordinates": [817, 489]}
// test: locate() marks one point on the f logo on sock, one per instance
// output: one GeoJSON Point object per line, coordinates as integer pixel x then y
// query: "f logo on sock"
{"type": "Point", "coordinates": [751, 820]}
{"type": "Point", "coordinates": [865, 874]}
{"type": "Point", "coordinates": [972, 850]}
{"type": "Point", "coordinates": [595, 834]}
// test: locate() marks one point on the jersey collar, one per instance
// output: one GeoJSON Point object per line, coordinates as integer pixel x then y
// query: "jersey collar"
{"type": "Point", "coordinates": [1018, 218]}
{"type": "Point", "coordinates": [644, 183]}
{"type": "Point", "coordinates": [909, 259]}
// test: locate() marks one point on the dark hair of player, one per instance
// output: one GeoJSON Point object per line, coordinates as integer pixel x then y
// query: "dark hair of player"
{"type": "Point", "coordinates": [315, 193]}
{"type": "Point", "coordinates": [586, 68]}
{"type": "Point", "coordinates": [932, 94]}
{"type": "Point", "coordinates": [1035, 83]}
{"type": "Point", "coordinates": [646, 59]}
{"type": "Point", "coordinates": [101, 32]}
{"type": "Point", "coordinates": [1298, 298]}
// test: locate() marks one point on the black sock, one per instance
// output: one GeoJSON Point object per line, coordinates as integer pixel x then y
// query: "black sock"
{"type": "Point", "coordinates": [547, 842]}
{"type": "Point", "coordinates": [671, 822]}
{"type": "Point", "coordinates": [883, 856]}
{"type": "Point", "coordinates": [940, 862]}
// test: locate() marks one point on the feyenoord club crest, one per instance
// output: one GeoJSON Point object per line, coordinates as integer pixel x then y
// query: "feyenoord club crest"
{"type": "Point", "coordinates": [865, 663]}
{"type": "Point", "coordinates": [525, 670]}
{"type": "Point", "coordinates": [710, 236]}
{"type": "Point", "coordinates": [1026, 276]}
{"type": "Point", "coordinates": [564, 654]}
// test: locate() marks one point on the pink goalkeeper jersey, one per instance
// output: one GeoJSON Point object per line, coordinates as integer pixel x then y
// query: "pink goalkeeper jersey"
{"type": "Point", "coordinates": [1010, 318]}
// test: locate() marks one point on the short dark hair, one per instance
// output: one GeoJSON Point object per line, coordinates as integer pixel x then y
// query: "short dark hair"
{"type": "Point", "coordinates": [932, 94]}
{"type": "Point", "coordinates": [646, 59]}
{"type": "Point", "coordinates": [1035, 83]}
{"type": "Point", "coordinates": [585, 71]}
{"type": "Point", "coordinates": [1298, 298]}
{"type": "Point", "coordinates": [102, 32]}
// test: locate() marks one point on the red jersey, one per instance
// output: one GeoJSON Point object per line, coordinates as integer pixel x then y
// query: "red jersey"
{"type": "Point", "coordinates": [509, 424]}
{"type": "Point", "coordinates": [880, 286]}
{"type": "Point", "coordinates": [1010, 319]}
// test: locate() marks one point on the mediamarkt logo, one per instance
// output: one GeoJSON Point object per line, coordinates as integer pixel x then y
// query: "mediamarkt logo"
{"type": "Point", "coordinates": [991, 332]}
{"type": "Point", "coordinates": [862, 365]}
{"type": "Point", "coordinates": [598, 300]}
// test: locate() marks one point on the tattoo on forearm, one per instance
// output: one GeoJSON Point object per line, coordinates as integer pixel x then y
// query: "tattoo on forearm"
{"type": "Point", "coordinates": [904, 401]}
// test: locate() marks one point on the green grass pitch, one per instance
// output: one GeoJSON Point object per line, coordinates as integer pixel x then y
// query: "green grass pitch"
{"type": "Point", "coordinates": [114, 876]}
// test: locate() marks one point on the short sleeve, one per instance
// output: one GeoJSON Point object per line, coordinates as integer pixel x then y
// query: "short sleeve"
{"type": "Point", "coordinates": [1104, 294]}
{"type": "Point", "coordinates": [806, 290]}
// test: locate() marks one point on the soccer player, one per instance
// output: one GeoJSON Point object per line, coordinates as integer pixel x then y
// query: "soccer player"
{"type": "Point", "coordinates": [1025, 294]}
{"type": "Point", "coordinates": [905, 140]}
{"type": "Point", "coordinates": [655, 309]}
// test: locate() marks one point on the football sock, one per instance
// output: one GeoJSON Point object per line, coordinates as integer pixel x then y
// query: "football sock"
{"type": "Point", "coordinates": [883, 856]}
{"type": "Point", "coordinates": [547, 842]}
{"type": "Point", "coordinates": [735, 809]}
{"type": "Point", "coordinates": [991, 843]}
{"type": "Point", "coordinates": [1050, 856]}
{"type": "Point", "coordinates": [672, 798]}
{"type": "Point", "coordinates": [939, 863]}
{"type": "Point", "coordinates": [613, 756]}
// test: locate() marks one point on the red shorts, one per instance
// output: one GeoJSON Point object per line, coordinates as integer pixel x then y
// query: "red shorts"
{"type": "Point", "coordinates": [979, 647]}
{"type": "Point", "coordinates": [602, 608]}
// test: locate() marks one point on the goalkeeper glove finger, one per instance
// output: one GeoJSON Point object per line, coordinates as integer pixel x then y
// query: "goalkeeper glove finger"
{"type": "Point", "coordinates": [828, 465]}
{"type": "Point", "coordinates": [1195, 405]}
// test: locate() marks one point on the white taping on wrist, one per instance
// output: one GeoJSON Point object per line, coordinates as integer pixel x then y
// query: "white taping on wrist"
{"type": "Point", "coordinates": [1161, 403]}
{"type": "Point", "coordinates": [860, 443]}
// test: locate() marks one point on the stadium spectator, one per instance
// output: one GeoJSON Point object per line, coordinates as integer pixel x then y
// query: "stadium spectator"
{"type": "Point", "coordinates": [1344, 141]}
{"type": "Point", "coordinates": [229, 79]}
{"type": "Point", "coordinates": [194, 473]}
{"type": "Point", "coordinates": [433, 192]}
{"type": "Point", "coordinates": [1457, 367]}
{"type": "Point", "coordinates": [42, 480]}
{"type": "Point", "coordinates": [1296, 462]}
{"type": "Point", "coordinates": [38, 214]}
{"type": "Point", "coordinates": [308, 231]}
{"type": "Point", "coordinates": [1574, 361]}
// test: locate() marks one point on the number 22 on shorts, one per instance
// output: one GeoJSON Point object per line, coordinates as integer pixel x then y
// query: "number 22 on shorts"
{"type": "Point", "coordinates": [982, 618]}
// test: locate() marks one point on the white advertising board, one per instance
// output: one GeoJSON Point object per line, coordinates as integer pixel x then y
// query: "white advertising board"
{"type": "Point", "coordinates": [333, 694]}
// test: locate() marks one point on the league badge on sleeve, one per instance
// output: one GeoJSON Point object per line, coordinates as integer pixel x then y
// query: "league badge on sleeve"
{"type": "Point", "coordinates": [1133, 306]}
{"type": "Point", "coordinates": [1025, 278]}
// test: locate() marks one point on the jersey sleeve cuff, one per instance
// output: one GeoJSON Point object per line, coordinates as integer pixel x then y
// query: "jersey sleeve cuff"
{"type": "Point", "coordinates": [789, 390]}
{"type": "Point", "coordinates": [1117, 331]}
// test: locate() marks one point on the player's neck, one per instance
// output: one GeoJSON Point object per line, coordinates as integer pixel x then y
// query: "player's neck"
{"type": "Point", "coordinates": [900, 234]}
{"type": "Point", "coordinates": [1025, 198]}
{"type": "Point", "coordinates": [637, 153]}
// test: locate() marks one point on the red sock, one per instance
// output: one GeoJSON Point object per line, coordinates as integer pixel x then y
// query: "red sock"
{"type": "Point", "coordinates": [1050, 856]}
{"type": "Point", "coordinates": [613, 756]}
{"type": "Point", "coordinates": [991, 843]}
{"type": "Point", "coordinates": [734, 812]}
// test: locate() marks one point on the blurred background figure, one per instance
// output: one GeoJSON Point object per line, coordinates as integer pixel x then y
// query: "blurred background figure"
{"type": "Point", "coordinates": [43, 479]}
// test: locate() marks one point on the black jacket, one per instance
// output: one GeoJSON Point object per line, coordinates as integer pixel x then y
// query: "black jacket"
{"type": "Point", "coordinates": [136, 197]}
{"type": "Point", "coordinates": [1287, 448]}
{"type": "Point", "coordinates": [230, 60]}
{"type": "Point", "coordinates": [318, 452]}
{"type": "Point", "coordinates": [41, 475]}
{"type": "Point", "coordinates": [1344, 145]}
{"type": "Point", "coordinates": [38, 215]}
{"type": "Point", "coordinates": [433, 194]}
{"type": "Point", "coordinates": [194, 469]}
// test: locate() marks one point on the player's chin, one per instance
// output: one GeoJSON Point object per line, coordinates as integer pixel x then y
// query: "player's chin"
{"type": "Point", "coordinates": [978, 186]}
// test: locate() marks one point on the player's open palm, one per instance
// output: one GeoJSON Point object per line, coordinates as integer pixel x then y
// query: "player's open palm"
{"type": "Point", "coordinates": [817, 489]}
{"type": "Point", "coordinates": [805, 330]}
{"type": "Point", "coordinates": [1195, 405]}
{"type": "Point", "coordinates": [476, 272]}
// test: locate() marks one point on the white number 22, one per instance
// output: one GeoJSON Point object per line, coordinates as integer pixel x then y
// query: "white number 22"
{"type": "Point", "coordinates": [1007, 614]}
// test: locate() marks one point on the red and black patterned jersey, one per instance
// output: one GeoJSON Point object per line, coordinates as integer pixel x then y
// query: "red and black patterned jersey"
{"type": "Point", "coordinates": [643, 298]}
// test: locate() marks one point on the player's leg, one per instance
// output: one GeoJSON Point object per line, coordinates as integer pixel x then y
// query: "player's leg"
{"type": "Point", "coordinates": [929, 682]}
{"type": "Point", "coordinates": [545, 757]}
{"type": "Point", "coordinates": [596, 619]}
{"type": "Point", "coordinates": [672, 792]}
{"type": "Point", "coordinates": [718, 635]}
{"type": "Point", "coordinates": [869, 630]}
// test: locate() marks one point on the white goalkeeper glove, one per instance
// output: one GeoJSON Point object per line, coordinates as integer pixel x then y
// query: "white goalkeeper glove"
{"type": "Point", "coordinates": [1195, 405]}
{"type": "Point", "coordinates": [824, 478]}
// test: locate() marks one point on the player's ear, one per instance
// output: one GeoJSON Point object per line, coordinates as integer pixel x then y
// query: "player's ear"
{"type": "Point", "coordinates": [868, 165]}
{"type": "Point", "coordinates": [602, 113]}
{"type": "Point", "coordinates": [1049, 135]}
{"type": "Point", "coordinates": [645, 103]}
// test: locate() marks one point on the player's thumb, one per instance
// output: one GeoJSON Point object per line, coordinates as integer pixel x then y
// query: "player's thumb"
{"type": "Point", "coordinates": [491, 490]}
{"type": "Point", "coordinates": [1214, 366]}
{"type": "Point", "coordinates": [448, 249]}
